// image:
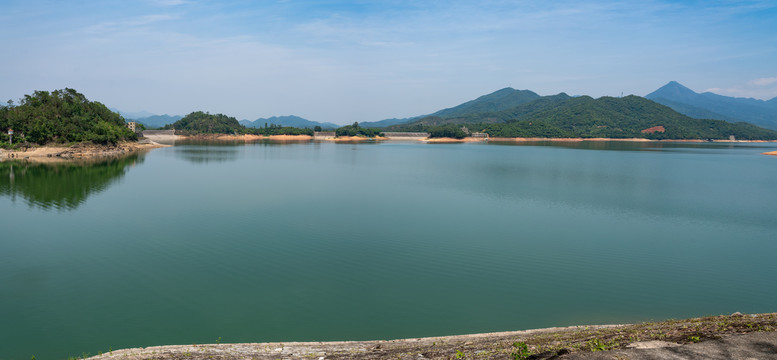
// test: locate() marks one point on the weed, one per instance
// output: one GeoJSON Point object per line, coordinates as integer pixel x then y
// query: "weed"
{"type": "Point", "coordinates": [694, 338]}
{"type": "Point", "coordinates": [218, 341]}
{"type": "Point", "coordinates": [597, 345]}
{"type": "Point", "coordinates": [459, 354]}
{"type": "Point", "coordinates": [521, 351]}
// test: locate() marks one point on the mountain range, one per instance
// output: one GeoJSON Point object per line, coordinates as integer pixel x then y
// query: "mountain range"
{"type": "Point", "coordinates": [510, 105]}
{"type": "Point", "coordinates": [713, 106]}
{"type": "Point", "coordinates": [290, 120]}
{"type": "Point", "coordinates": [523, 113]}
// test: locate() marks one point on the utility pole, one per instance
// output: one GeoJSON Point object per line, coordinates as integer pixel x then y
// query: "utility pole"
{"type": "Point", "coordinates": [10, 136]}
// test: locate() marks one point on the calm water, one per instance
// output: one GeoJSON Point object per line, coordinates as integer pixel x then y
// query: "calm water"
{"type": "Point", "coordinates": [320, 241]}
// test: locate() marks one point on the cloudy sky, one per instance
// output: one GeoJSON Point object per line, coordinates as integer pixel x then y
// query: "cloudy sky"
{"type": "Point", "coordinates": [345, 61]}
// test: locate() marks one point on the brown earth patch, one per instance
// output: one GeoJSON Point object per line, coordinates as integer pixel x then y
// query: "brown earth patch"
{"type": "Point", "coordinates": [654, 129]}
{"type": "Point", "coordinates": [80, 151]}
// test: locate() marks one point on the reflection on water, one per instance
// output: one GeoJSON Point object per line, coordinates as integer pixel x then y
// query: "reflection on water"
{"type": "Point", "coordinates": [326, 241]}
{"type": "Point", "coordinates": [671, 146]}
{"type": "Point", "coordinates": [62, 186]}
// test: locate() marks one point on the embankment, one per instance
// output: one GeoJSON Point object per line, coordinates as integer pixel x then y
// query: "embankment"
{"type": "Point", "coordinates": [540, 344]}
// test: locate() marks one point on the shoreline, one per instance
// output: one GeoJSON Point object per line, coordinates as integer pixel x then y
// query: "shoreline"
{"type": "Point", "coordinates": [80, 151]}
{"type": "Point", "coordinates": [251, 137]}
{"type": "Point", "coordinates": [535, 139]}
{"type": "Point", "coordinates": [88, 151]}
{"type": "Point", "coordinates": [543, 343]}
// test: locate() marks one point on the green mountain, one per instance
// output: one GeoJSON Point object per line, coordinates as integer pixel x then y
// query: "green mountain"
{"type": "Point", "coordinates": [498, 100]}
{"type": "Point", "coordinates": [714, 106]}
{"type": "Point", "coordinates": [624, 117]}
{"type": "Point", "coordinates": [200, 122]}
{"type": "Point", "coordinates": [287, 121]}
{"type": "Point", "coordinates": [564, 116]}
{"type": "Point", "coordinates": [62, 116]}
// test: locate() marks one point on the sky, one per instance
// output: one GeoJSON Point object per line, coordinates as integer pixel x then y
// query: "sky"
{"type": "Point", "coordinates": [345, 61]}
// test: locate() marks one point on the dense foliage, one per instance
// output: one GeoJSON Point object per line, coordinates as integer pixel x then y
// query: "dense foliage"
{"type": "Point", "coordinates": [200, 122]}
{"type": "Point", "coordinates": [273, 129]}
{"type": "Point", "coordinates": [61, 116]}
{"type": "Point", "coordinates": [585, 117]}
{"type": "Point", "coordinates": [499, 100]}
{"type": "Point", "coordinates": [204, 123]}
{"type": "Point", "coordinates": [356, 130]}
{"type": "Point", "coordinates": [447, 131]}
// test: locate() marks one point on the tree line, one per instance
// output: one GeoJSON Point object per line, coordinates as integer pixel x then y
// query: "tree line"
{"type": "Point", "coordinates": [60, 116]}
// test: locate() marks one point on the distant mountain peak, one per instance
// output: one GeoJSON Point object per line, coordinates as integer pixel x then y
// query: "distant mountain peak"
{"type": "Point", "coordinates": [672, 89]}
{"type": "Point", "coordinates": [714, 106]}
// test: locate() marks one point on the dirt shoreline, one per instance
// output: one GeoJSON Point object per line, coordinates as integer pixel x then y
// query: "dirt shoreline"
{"type": "Point", "coordinates": [81, 151]}
{"type": "Point", "coordinates": [574, 341]}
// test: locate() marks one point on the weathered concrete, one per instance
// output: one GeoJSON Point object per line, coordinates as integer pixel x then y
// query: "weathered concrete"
{"type": "Point", "coordinates": [390, 135]}
{"type": "Point", "coordinates": [323, 135]}
{"type": "Point", "coordinates": [167, 137]}
{"type": "Point", "coordinates": [757, 345]}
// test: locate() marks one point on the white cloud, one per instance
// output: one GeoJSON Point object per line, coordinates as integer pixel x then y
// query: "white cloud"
{"type": "Point", "coordinates": [763, 81]}
{"type": "Point", "coordinates": [169, 2]}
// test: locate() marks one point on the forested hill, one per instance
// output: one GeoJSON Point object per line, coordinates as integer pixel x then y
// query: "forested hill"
{"type": "Point", "coordinates": [564, 116]}
{"type": "Point", "coordinates": [61, 116]}
{"type": "Point", "coordinates": [200, 122]}
{"type": "Point", "coordinates": [502, 99]}
{"type": "Point", "coordinates": [628, 117]}
{"type": "Point", "coordinates": [496, 101]}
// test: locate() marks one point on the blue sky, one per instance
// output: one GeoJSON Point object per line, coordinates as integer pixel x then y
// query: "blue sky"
{"type": "Point", "coordinates": [345, 61]}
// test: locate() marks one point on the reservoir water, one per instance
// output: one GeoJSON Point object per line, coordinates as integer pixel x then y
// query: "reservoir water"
{"type": "Point", "coordinates": [311, 241]}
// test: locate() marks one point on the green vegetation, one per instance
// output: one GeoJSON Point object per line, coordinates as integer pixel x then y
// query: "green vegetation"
{"type": "Point", "coordinates": [61, 116]}
{"type": "Point", "coordinates": [521, 351]}
{"type": "Point", "coordinates": [562, 116]}
{"type": "Point", "coordinates": [200, 122]}
{"type": "Point", "coordinates": [626, 117]}
{"type": "Point", "coordinates": [356, 130]}
{"type": "Point", "coordinates": [273, 129]}
{"type": "Point", "coordinates": [447, 131]}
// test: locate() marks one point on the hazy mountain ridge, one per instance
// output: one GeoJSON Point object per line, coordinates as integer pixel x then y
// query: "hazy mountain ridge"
{"type": "Point", "coordinates": [688, 102]}
{"type": "Point", "coordinates": [157, 121]}
{"type": "Point", "coordinates": [289, 120]}
{"type": "Point", "coordinates": [387, 122]}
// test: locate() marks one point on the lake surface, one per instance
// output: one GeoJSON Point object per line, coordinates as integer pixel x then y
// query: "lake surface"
{"type": "Point", "coordinates": [320, 241]}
